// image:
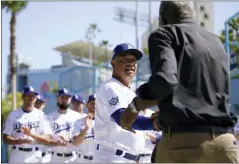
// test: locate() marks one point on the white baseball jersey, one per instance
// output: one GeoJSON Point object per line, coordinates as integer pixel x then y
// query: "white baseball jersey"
{"type": "Point", "coordinates": [35, 120]}
{"type": "Point", "coordinates": [111, 96]}
{"type": "Point", "coordinates": [63, 125]}
{"type": "Point", "coordinates": [88, 146]}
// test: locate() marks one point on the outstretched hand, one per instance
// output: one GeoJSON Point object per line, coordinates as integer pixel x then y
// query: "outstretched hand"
{"type": "Point", "coordinates": [128, 117]}
{"type": "Point", "coordinates": [88, 121]}
{"type": "Point", "coordinates": [154, 118]}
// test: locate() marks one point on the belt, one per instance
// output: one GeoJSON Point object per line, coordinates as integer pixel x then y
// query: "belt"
{"type": "Point", "coordinates": [126, 156]}
{"type": "Point", "coordinates": [87, 157]}
{"type": "Point", "coordinates": [202, 129]}
{"type": "Point", "coordinates": [45, 153]}
{"type": "Point", "coordinates": [25, 149]}
{"type": "Point", "coordinates": [144, 155]}
{"type": "Point", "coordinates": [64, 154]}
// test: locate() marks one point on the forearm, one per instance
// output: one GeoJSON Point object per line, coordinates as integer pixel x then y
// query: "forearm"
{"type": "Point", "coordinates": [43, 139]}
{"type": "Point", "coordinates": [77, 140]}
{"type": "Point", "coordinates": [141, 122]}
{"type": "Point", "coordinates": [10, 140]}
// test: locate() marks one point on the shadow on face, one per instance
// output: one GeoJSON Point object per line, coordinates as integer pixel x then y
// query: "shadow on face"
{"type": "Point", "coordinates": [125, 66]}
{"type": "Point", "coordinates": [78, 106]}
{"type": "Point", "coordinates": [63, 99]}
{"type": "Point", "coordinates": [91, 106]}
{"type": "Point", "coordinates": [29, 99]}
{"type": "Point", "coordinates": [39, 105]}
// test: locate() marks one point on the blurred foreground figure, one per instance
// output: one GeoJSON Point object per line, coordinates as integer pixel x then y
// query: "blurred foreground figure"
{"type": "Point", "coordinates": [190, 80]}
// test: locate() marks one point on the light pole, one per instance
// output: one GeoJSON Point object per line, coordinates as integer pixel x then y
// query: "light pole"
{"type": "Point", "coordinates": [134, 18]}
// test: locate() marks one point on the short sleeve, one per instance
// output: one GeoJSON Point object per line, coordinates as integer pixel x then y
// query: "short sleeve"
{"type": "Point", "coordinates": [113, 99]}
{"type": "Point", "coordinates": [79, 125]}
{"type": "Point", "coordinates": [8, 126]}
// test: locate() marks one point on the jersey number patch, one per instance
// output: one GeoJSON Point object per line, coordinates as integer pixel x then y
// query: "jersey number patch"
{"type": "Point", "coordinates": [114, 101]}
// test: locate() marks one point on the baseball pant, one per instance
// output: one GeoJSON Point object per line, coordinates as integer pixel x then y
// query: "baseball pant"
{"type": "Point", "coordinates": [59, 159]}
{"type": "Point", "coordinates": [18, 156]}
{"type": "Point", "coordinates": [197, 148]}
{"type": "Point", "coordinates": [103, 157]}
{"type": "Point", "coordinates": [46, 158]}
{"type": "Point", "coordinates": [145, 159]}
{"type": "Point", "coordinates": [80, 160]}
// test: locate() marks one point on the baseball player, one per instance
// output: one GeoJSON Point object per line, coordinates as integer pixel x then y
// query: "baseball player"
{"type": "Point", "coordinates": [63, 122]}
{"type": "Point", "coordinates": [78, 104]}
{"type": "Point", "coordinates": [87, 145]}
{"type": "Point", "coordinates": [26, 148]}
{"type": "Point", "coordinates": [115, 144]}
{"type": "Point", "coordinates": [40, 102]}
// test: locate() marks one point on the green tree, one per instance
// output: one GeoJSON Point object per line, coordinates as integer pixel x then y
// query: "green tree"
{"type": "Point", "coordinates": [146, 51]}
{"type": "Point", "coordinates": [6, 104]}
{"type": "Point", "coordinates": [14, 7]}
{"type": "Point", "coordinates": [106, 45]}
{"type": "Point", "coordinates": [90, 36]}
{"type": "Point", "coordinates": [233, 36]}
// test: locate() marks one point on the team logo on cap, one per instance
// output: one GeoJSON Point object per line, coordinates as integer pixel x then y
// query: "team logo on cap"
{"type": "Point", "coordinates": [30, 88]}
{"type": "Point", "coordinates": [130, 46]}
{"type": "Point", "coordinates": [65, 90]}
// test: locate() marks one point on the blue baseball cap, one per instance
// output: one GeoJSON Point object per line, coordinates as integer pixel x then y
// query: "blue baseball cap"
{"type": "Point", "coordinates": [41, 97]}
{"type": "Point", "coordinates": [63, 92]}
{"type": "Point", "coordinates": [124, 48]}
{"type": "Point", "coordinates": [78, 98]}
{"type": "Point", "coordinates": [91, 97]}
{"type": "Point", "coordinates": [29, 89]}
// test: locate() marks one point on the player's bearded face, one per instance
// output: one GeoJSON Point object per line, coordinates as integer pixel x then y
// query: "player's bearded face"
{"type": "Point", "coordinates": [63, 102]}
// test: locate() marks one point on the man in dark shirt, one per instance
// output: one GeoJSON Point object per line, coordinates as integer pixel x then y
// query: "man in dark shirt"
{"type": "Point", "coordinates": [190, 80]}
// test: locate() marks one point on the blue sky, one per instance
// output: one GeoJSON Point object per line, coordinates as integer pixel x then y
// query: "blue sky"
{"type": "Point", "coordinates": [45, 25]}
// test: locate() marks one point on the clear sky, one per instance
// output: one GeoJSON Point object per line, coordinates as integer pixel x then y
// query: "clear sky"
{"type": "Point", "coordinates": [45, 25]}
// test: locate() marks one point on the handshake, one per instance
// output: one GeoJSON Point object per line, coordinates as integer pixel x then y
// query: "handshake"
{"type": "Point", "coordinates": [129, 116]}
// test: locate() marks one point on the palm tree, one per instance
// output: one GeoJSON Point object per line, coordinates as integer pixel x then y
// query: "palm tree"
{"type": "Point", "coordinates": [14, 7]}
{"type": "Point", "coordinates": [233, 36]}
{"type": "Point", "coordinates": [91, 32]}
{"type": "Point", "coordinates": [106, 45]}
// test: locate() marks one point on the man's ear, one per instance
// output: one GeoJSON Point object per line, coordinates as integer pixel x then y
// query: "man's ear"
{"type": "Point", "coordinates": [112, 64]}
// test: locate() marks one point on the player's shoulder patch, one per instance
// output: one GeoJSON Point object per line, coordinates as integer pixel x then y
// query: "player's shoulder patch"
{"type": "Point", "coordinates": [114, 101]}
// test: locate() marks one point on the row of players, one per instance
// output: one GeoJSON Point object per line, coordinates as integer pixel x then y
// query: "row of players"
{"type": "Point", "coordinates": [65, 135]}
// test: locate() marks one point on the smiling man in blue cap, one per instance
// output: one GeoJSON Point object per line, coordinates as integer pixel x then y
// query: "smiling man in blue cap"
{"type": "Point", "coordinates": [113, 97]}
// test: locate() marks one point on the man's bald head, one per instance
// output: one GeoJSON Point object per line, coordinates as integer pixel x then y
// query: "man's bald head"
{"type": "Point", "coordinates": [172, 12]}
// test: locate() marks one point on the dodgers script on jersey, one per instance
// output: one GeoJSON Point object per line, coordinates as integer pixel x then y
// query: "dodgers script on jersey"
{"type": "Point", "coordinates": [63, 125]}
{"type": "Point", "coordinates": [36, 121]}
{"type": "Point", "coordinates": [111, 96]}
